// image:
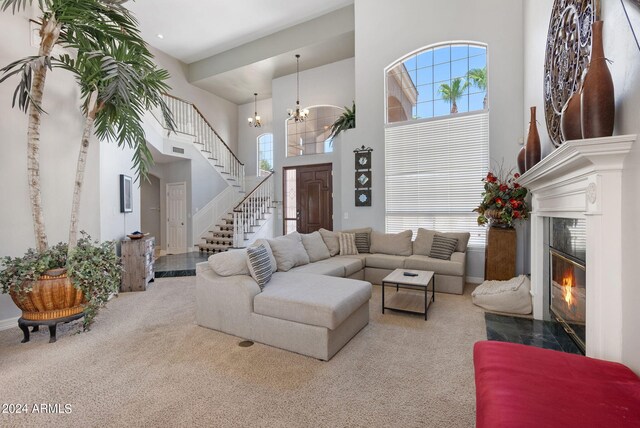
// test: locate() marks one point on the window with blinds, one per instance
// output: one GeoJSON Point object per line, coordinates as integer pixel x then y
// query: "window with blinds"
{"type": "Point", "coordinates": [433, 173]}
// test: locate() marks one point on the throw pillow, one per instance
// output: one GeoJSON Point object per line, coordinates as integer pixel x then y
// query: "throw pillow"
{"type": "Point", "coordinates": [443, 247]}
{"type": "Point", "coordinates": [265, 244]}
{"type": "Point", "coordinates": [395, 244]}
{"type": "Point", "coordinates": [348, 244]}
{"type": "Point", "coordinates": [259, 265]}
{"type": "Point", "coordinates": [315, 246]}
{"type": "Point", "coordinates": [229, 263]}
{"type": "Point", "coordinates": [288, 251]}
{"type": "Point", "coordinates": [362, 242]}
{"type": "Point", "coordinates": [424, 240]}
{"type": "Point", "coordinates": [332, 241]}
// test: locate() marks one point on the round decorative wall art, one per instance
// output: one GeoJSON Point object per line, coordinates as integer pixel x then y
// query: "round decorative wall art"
{"type": "Point", "coordinates": [566, 57]}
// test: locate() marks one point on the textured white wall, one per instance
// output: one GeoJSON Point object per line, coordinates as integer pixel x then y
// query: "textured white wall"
{"type": "Point", "coordinates": [386, 31]}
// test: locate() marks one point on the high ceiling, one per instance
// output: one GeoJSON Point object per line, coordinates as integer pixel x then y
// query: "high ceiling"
{"type": "Point", "coordinates": [226, 42]}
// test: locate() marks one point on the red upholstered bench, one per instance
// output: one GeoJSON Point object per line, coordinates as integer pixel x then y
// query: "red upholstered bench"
{"type": "Point", "coordinates": [523, 386]}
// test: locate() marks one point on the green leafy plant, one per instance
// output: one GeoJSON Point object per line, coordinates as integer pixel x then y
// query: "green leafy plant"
{"type": "Point", "coordinates": [452, 93]}
{"type": "Point", "coordinates": [93, 267]}
{"type": "Point", "coordinates": [347, 120]}
{"type": "Point", "coordinates": [503, 200]}
{"type": "Point", "coordinates": [478, 76]}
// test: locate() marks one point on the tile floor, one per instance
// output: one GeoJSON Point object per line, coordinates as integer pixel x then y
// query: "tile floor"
{"type": "Point", "coordinates": [173, 265]}
{"type": "Point", "coordinates": [543, 334]}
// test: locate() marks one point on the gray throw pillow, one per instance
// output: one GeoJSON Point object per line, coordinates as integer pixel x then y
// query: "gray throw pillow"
{"type": "Point", "coordinates": [289, 251]}
{"type": "Point", "coordinates": [315, 246]}
{"type": "Point", "coordinates": [259, 265]}
{"type": "Point", "coordinates": [443, 247]}
{"type": "Point", "coordinates": [331, 240]}
{"type": "Point", "coordinates": [362, 242]}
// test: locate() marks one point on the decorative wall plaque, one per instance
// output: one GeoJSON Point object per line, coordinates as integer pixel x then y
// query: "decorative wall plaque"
{"type": "Point", "coordinates": [566, 57]}
{"type": "Point", "coordinates": [363, 176]}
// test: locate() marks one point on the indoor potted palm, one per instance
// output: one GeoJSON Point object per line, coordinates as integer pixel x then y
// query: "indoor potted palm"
{"type": "Point", "coordinates": [118, 82]}
{"type": "Point", "coordinates": [346, 120]}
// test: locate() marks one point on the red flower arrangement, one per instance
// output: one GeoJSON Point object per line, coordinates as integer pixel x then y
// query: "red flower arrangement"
{"type": "Point", "coordinates": [503, 200]}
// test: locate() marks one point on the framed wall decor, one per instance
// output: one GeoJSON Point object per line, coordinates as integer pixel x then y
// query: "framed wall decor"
{"type": "Point", "coordinates": [126, 194]}
{"type": "Point", "coordinates": [363, 176]}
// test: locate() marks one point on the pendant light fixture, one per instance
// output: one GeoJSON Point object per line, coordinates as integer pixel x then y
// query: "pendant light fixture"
{"type": "Point", "coordinates": [255, 120]}
{"type": "Point", "coordinates": [299, 115]}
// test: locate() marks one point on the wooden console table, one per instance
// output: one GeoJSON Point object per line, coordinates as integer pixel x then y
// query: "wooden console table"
{"type": "Point", "coordinates": [500, 254]}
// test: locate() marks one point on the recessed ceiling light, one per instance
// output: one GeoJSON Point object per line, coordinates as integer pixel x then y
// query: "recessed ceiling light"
{"type": "Point", "coordinates": [160, 36]}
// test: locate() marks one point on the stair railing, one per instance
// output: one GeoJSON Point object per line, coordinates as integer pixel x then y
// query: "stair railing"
{"type": "Point", "coordinates": [189, 120]}
{"type": "Point", "coordinates": [248, 213]}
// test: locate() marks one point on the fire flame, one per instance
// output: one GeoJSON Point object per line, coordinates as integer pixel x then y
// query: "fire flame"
{"type": "Point", "coordinates": [567, 283]}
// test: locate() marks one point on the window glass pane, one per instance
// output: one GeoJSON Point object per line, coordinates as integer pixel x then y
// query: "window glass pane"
{"type": "Point", "coordinates": [425, 59]}
{"type": "Point", "coordinates": [419, 80]}
{"type": "Point", "coordinates": [265, 153]}
{"type": "Point", "coordinates": [309, 136]}
{"type": "Point", "coordinates": [442, 55]}
{"type": "Point", "coordinates": [459, 52]}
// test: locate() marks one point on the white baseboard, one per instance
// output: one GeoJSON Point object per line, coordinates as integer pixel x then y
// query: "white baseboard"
{"type": "Point", "coordinates": [475, 280]}
{"type": "Point", "coordinates": [8, 323]}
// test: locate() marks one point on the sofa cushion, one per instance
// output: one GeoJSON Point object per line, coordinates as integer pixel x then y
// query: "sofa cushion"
{"type": "Point", "coordinates": [454, 267]}
{"type": "Point", "coordinates": [385, 261]}
{"type": "Point", "coordinates": [315, 246]}
{"type": "Point", "coordinates": [229, 263]}
{"type": "Point", "coordinates": [323, 267]}
{"type": "Point", "coordinates": [311, 299]}
{"type": "Point", "coordinates": [398, 244]}
{"type": "Point", "coordinates": [443, 247]}
{"type": "Point", "coordinates": [289, 251]}
{"type": "Point", "coordinates": [349, 264]}
{"type": "Point", "coordinates": [348, 244]}
{"type": "Point", "coordinates": [265, 244]}
{"type": "Point", "coordinates": [259, 264]}
{"type": "Point", "coordinates": [332, 241]}
{"type": "Point", "coordinates": [424, 240]}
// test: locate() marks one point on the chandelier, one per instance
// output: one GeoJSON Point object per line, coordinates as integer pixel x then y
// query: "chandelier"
{"type": "Point", "coordinates": [255, 120]}
{"type": "Point", "coordinates": [299, 115]}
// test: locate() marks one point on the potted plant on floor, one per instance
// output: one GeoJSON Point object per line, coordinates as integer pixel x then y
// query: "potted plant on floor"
{"type": "Point", "coordinates": [118, 82]}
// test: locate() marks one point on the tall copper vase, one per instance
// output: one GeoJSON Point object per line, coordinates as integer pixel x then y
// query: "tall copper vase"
{"type": "Point", "coordinates": [598, 103]}
{"type": "Point", "coordinates": [521, 166]}
{"type": "Point", "coordinates": [571, 119]}
{"type": "Point", "coordinates": [532, 150]}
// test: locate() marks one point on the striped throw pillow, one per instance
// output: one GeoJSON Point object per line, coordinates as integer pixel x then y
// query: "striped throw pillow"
{"type": "Point", "coordinates": [259, 265]}
{"type": "Point", "coordinates": [443, 247]}
{"type": "Point", "coordinates": [362, 242]}
{"type": "Point", "coordinates": [348, 244]}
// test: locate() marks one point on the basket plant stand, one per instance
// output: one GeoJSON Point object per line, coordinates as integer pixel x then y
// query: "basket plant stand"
{"type": "Point", "coordinates": [52, 324]}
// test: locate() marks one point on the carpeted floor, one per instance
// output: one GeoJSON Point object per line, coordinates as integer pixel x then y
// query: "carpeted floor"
{"type": "Point", "coordinates": [146, 363]}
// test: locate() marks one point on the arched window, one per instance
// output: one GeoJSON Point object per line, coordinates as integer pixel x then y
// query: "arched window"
{"type": "Point", "coordinates": [438, 81]}
{"type": "Point", "coordinates": [437, 139]}
{"type": "Point", "coordinates": [311, 136]}
{"type": "Point", "coordinates": [265, 154]}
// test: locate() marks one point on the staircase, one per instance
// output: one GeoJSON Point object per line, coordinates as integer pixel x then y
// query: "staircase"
{"type": "Point", "coordinates": [236, 228]}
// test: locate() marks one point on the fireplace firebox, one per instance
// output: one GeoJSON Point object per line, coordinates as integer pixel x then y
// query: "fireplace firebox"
{"type": "Point", "coordinates": [567, 276]}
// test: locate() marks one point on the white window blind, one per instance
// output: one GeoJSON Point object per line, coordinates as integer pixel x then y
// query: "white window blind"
{"type": "Point", "coordinates": [433, 174]}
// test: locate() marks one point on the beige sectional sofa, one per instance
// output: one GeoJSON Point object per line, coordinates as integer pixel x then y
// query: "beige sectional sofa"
{"type": "Point", "coordinates": [316, 300]}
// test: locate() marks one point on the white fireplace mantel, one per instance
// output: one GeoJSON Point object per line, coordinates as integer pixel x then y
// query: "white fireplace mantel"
{"type": "Point", "coordinates": [583, 179]}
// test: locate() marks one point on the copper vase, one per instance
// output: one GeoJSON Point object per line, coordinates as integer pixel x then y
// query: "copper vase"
{"type": "Point", "coordinates": [570, 120]}
{"type": "Point", "coordinates": [532, 147]}
{"type": "Point", "coordinates": [598, 103]}
{"type": "Point", "coordinates": [521, 165]}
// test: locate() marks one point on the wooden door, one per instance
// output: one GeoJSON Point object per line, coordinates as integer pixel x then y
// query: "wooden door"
{"type": "Point", "coordinates": [176, 218]}
{"type": "Point", "coordinates": [313, 199]}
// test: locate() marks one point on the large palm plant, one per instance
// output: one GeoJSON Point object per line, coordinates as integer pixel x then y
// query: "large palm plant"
{"type": "Point", "coordinates": [453, 92]}
{"type": "Point", "coordinates": [117, 78]}
{"type": "Point", "coordinates": [478, 76]}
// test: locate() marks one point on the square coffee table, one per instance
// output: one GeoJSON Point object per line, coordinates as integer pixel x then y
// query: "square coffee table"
{"type": "Point", "coordinates": [419, 282]}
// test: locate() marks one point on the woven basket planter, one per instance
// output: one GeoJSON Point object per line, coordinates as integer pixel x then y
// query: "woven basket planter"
{"type": "Point", "coordinates": [52, 296]}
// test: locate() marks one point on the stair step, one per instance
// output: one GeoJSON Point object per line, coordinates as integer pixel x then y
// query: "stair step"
{"type": "Point", "coordinates": [211, 248]}
{"type": "Point", "coordinates": [205, 151]}
{"type": "Point", "coordinates": [218, 240]}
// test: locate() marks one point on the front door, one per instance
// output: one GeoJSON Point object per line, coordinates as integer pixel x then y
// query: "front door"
{"type": "Point", "coordinates": [176, 218]}
{"type": "Point", "coordinates": [308, 198]}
